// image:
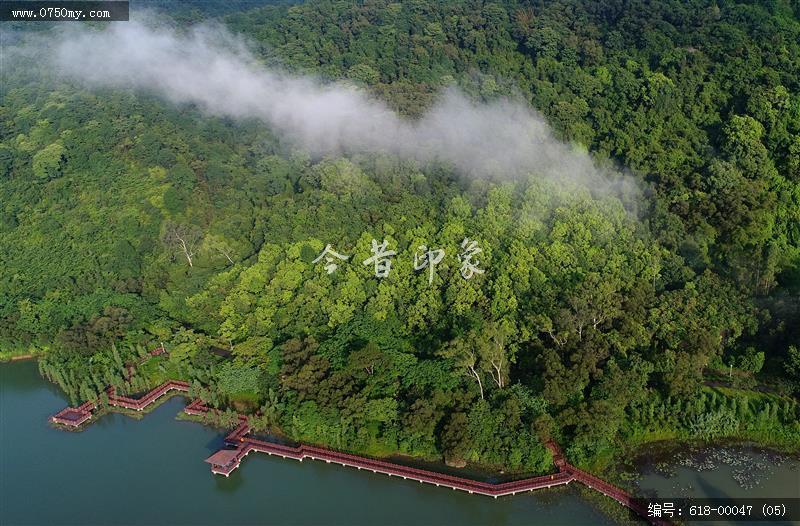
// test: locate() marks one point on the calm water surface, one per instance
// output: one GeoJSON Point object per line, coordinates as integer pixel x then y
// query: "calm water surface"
{"type": "Point", "coordinates": [720, 472]}
{"type": "Point", "coordinates": [151, 471]}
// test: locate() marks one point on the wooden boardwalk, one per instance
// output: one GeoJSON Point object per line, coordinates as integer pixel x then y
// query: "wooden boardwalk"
{"type": "Point", "coordinates": [245, 445]}
{"type": "Point", "coordinates": [240, 444]}
{"type": "Point", "coordinates": [138, 404]}
{"type": "Point", "coordinates": [76, 416]}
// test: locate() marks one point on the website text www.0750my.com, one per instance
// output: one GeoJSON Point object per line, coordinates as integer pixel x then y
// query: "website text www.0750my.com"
{"type": "Point", "coordinates": [60, 13]}
{"type": "Point", "coordinates": [64, 11]}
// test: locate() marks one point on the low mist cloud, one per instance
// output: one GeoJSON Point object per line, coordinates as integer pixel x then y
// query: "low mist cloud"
{"type": "Point", "coordinates": [209, 67]}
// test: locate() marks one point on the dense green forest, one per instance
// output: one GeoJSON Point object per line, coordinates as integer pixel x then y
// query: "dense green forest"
{"type": "Point", "coordinates": [604, 320]}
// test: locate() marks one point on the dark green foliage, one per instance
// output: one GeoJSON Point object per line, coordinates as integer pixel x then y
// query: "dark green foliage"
{"type": "Point", "coordinates": [125, 221]}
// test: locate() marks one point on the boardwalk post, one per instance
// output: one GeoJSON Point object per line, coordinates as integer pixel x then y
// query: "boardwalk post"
{"type": "Point", "coordinates": [225, 461]}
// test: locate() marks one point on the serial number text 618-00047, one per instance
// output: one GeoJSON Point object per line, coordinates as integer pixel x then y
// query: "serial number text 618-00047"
{"type": "Point", "coordinates": [750, 509]}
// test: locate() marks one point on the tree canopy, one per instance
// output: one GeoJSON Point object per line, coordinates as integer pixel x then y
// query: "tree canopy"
{"type": "Point", "coordinates": [599, 317]}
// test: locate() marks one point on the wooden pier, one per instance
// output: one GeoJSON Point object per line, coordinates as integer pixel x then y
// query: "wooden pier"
{"type": "Point", "coordinates": [138, 404]}
{"type": "Point", "coordinates": [76, 416]}
{"type": "Point", "coordinates": [225, 461]}
{"type": "Point", "coordinates": [239, 444]}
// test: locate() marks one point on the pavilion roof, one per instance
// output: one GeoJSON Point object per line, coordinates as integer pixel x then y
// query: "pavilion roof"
{"type": "Point", "coordinates": [72, 414]}
{"type": "Point", "coordinates": [223, 457]}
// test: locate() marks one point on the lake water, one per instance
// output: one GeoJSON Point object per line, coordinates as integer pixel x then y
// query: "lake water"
{"type": "Point", "coordinates": [719, 472]}
{"type": "Point", "coordinates": [151, 471]}
{"type": "Point", "coordinates": [723, 472]}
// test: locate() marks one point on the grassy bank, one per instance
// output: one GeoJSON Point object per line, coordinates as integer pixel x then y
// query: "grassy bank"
{"type": "Point", "coordinates": [12, 353]}
{"type": "Point", "coordinates": [720, 415]}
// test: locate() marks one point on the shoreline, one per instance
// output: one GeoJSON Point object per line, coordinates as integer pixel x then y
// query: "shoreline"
{"type": "Point", "coordinates": [634, 460]}
{"type": "Point", "coordinates": [663, 457]}
{"type": "Point", "coordinates": [23, 357]}
{"type": "Point", "coordinates": [18, 357]}
{"type": "Point", "coordinates": [660, 447]}
{"type": "Point", "coordinates": [724, 468]}
{"type": "Point", "coordinates": [663, 450]}
{"type": "Point", "coordinates": [239, 444]}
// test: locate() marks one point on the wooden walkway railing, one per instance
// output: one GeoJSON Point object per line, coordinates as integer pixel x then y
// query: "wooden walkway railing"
{"type": "Point", "coordinates": [76, 416]}
{"type": "Point", "coordinates": [138, 404]}
{"type": "Point", "coordinates": [246, 445]}
{"type": "Point", "coordinates": [242, 445]}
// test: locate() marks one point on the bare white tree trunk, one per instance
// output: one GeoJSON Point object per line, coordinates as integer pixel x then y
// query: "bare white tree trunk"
{"type": "Point", "coordinates": [224, 253]}
{"type": "Point", "coordinates": [556, 339]}
{"type": "Point", "coordinates": [478, 378]}
{"type": "Point", "coordinates": [183, 238]}
{"type": "Point", "coordinates": [187, 251]}
{"type": "Point", "coordinates": [498, 368]}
